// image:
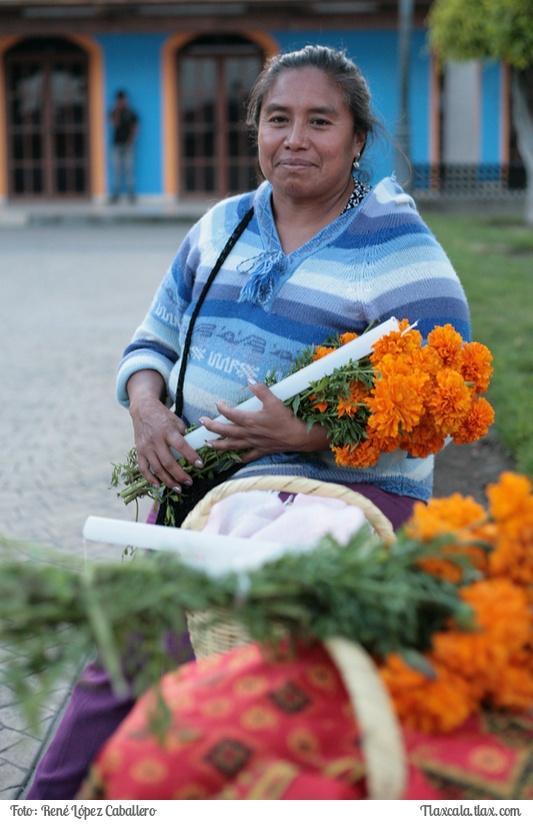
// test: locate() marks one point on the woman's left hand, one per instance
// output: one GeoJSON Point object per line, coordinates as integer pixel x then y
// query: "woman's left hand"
{"type": "Point", "coordinates": [274, 428]}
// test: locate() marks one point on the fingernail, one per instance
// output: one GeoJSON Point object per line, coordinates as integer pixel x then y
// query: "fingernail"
{"type": "Point", "coordinates": [188, 483]}
{"type": "Point", "coordinates": [251, 381]}
{"type": "Point", "coordinates": [176, 489]}
{"type": "Point", "coordinates": [199, 463]}
{"type": "Point", "coordinates": [202, 421]}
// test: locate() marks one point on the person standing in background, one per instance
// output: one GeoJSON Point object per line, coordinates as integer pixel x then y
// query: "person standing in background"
{"type": "Point", "coordinates": [125, 123]}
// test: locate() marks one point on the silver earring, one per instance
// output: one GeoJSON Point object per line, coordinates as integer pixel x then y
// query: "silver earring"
{"type": "Point", "coordinates": [355, 164]}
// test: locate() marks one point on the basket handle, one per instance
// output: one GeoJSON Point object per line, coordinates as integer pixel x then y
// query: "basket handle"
{"type": "Point", "coordinates": [382, 740]}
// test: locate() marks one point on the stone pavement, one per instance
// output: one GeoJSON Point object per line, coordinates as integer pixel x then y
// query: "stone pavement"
{"type": "Point", "coordinates": [74, 283]}
{"type": "Point", "coordinates": [71, 294]}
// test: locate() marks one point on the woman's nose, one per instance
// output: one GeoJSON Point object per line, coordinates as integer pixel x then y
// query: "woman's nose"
{"type": "Point", "coordinates": [297, 136]}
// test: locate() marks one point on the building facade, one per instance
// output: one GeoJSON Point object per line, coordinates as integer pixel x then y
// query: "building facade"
{"type": "Point", "coordinates": [187, 69]}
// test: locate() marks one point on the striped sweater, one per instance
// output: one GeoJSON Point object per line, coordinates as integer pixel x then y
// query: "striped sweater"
{"type": "Point", "coordinates": [376, 260]}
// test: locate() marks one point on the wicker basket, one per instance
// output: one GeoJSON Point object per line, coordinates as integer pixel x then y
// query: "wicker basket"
{"type": "Point", "coordinates": [212, 632]}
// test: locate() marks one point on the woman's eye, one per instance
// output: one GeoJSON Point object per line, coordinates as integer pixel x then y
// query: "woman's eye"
{"type": "Point", "coordinates": [319, 121]}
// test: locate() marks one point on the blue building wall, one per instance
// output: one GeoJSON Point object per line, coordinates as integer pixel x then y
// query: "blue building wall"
{"type": "Point", "coordinates": [133, 62]}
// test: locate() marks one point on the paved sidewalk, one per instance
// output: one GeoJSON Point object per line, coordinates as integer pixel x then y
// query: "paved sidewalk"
{"type": "Point", "coordinates": [70, 299]}
{"type": "Point", "coordinates": [74, 283]}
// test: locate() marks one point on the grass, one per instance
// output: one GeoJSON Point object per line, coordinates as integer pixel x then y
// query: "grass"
{"type": "Point", "coordinates": [493, 257]}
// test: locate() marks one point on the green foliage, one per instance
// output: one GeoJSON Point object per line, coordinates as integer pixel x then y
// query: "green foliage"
{"type": "Point", "coordinates": [494, 259]}
{"type": "Point", "coordinates": [133, 486]}
{"type": "Point", "coordinates": [134, 610]}
{"type": "Point", "coordinates": [497, 29]}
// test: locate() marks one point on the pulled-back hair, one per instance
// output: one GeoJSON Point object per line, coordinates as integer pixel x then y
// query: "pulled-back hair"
{"type": "Point", "coordinates": [339, 69]}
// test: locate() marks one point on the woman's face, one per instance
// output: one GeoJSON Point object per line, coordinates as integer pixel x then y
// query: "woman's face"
{"type": "Point", "coordinates": [306, 137]}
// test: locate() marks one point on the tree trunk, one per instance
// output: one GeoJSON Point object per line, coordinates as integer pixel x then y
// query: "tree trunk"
{"type": "Point", "coordinates": [523, 123]}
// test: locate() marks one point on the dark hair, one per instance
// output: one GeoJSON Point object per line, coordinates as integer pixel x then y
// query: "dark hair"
{"type": "Point", "coordinates": [340, 70]}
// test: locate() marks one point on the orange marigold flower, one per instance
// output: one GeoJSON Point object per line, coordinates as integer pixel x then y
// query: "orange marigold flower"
{"type": "Point", "coordinates": [396, 403]}
{"type": "Point", "coordinates": [431, 705]}
{"type": "Point", "coordinates": [510, 496]}
{"type": "Point", "coordinates": [424, 439]}
{"type": "Point", "coordinates": [346, 337]}
{"type": "Point", "coordinates": [448, 345]}
{"type": "Point", "coordinates": [513, 552]}
{"type": "Point", "coordinates": [358, 392]}
{"type": "Point", "coordinates": [352, 405]}
{"type": "Point", "coordinates": [427, 360]}
{"type": "Point", "coordinates": [504, 625]}
{"type": "Point", "coordinates": [365, 454]}
{"type": "Point", "coordinates": [441, 516]}
{"type": "Point", "coordinates": [476, 366]}
{"type": "Point", "coordinates": [397, 343]}
{"type": "Point", "coordinates": [512, 689]}
{"type": "Point", "coordinates": [476, 422]}
{"type": "Point", "coordinates": [322, 351]}
{"type": "Point", "coordinates": [450, 401]}
{"type": "Point", "coordinates": [321, 406]}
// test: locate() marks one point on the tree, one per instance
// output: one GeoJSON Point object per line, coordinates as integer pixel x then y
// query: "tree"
{"type": "Point", "coordinates": [499, 30]}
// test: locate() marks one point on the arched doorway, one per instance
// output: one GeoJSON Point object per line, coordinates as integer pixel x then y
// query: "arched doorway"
{"type": "Point", "coordinates": [215, 75]}
{"type": "Point", "coordinates": [47, 119]}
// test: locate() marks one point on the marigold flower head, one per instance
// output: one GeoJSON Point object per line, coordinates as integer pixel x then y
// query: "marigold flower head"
{"type": "Point", "coordinates": [510, 496]}
{"type": "Point", "coordinates": [448, 345]}
{"type": "Point", "coordinates": [476, 422]}
{"type": "Point", "coordinates": [512, 689]}
{"type": "Point", "coordinates": [513, 552]}
{"type": "Point", "coordinates": [350, 406]}
{"type": "Point", "coordinates": [431, 705]}
{"type": "Point", "coordinates": [476, 366]}
{"type": "Point", "coordinates": [443, 516]}
{"type": "Point", "coordinates": [450, 401]}
{"type": "Point", "coordinates": [367, 453]}
{"type": "Point", "coordinates": [504, 626]}
{"type": "Point", "coordinates": [424, 439]}
{"type": "Point", "coordinates": [399, 343]}
{"type": "Point", "coordinates": [347, 337]}
{"type": "Point", "coordinates": [322, 351]}
{"type": "Point", "coordinates": [396, 404]}
{"type": "Point", "coordinates": [320, 406]}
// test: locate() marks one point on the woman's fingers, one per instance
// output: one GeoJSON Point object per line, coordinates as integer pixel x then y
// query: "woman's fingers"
{"type": "Point", "coordinates": [157, 431]}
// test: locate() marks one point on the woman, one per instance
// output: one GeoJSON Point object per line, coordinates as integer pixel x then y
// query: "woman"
{"type": "Point", "coordinates": [322, 253]}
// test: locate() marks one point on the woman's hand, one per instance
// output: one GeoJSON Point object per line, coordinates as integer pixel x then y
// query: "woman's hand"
{"type": "Point", "coordinates": [156, 429]}
{"type": "Point", "coordinates": [274, 428]}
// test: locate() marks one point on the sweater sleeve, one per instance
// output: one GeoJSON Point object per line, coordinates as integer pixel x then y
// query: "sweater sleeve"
{"type": "Point", "coordinates": [157, 342]}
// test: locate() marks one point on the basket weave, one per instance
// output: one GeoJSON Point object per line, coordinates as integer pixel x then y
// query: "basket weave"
{"type": "Point", "coordinates": [211, 632]}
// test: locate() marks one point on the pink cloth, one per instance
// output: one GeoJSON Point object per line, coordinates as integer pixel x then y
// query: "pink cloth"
{"type": "Point", "coordinates": [301, 521]}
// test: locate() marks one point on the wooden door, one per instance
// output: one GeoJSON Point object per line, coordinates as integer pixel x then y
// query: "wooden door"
{"type": "Point", "coordinates": [47, 119]}
{"type": "Point", "coordinates": [215, 76]}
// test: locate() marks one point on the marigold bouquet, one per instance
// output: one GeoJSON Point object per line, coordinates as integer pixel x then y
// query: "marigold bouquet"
{"type": "Point", "coordinates": [403, 396]}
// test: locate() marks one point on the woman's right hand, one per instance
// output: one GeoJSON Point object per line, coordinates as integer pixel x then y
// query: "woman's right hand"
{"type": "Point", "coordinates": [156, 429]}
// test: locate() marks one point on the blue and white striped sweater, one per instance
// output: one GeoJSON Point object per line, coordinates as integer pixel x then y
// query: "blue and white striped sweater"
{"type": "Point", "coordinates": [376, 260]}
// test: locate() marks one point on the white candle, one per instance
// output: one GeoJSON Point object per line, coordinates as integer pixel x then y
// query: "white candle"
{"type": "Point", "coordinates": [299, 381]}
{"type": "Point", "coordinates": [214, 554]}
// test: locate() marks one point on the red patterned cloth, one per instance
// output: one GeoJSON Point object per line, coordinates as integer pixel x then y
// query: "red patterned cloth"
{"type": "Point", "coordinates": [245, 726]}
